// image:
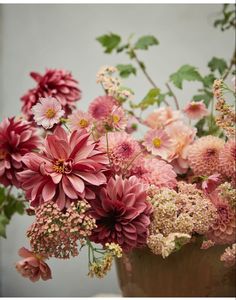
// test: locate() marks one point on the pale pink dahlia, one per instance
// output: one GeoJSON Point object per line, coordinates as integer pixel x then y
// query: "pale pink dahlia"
{"type": "Point", "coordinates": [196, 110]}
{"type": "Point", "coordinates": [55, 83]}
{"type": "Point", "coordinates": [101, 107]}
{"type": "Point", "coordinates": [158, 142]}
{"type": "Point", "coordinates": [80, 120]}
{"type": "Point", "coordinates": [122, 213]}
{"type": "Point", "coordinates": [16, 139]}
{"type": "Point", "coordinates": [203, 155]}
{"type": "Point", "coordinates": [154, 171]}
{"type": "Point", "coordinates": [228, 160]}
{"type": "Point", "coordinates": [47, 112]}
{"type": "Point", "coordinates": [122, 148]}
{"type": "Point", "coordinates": [161, 117]}
{"type": "Point", "coordinates": [67, 170]}
{"type": "Point", "coordinates": [33, 266]}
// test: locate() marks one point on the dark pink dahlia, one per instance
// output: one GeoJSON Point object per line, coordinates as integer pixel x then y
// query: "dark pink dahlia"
{"type": "Point", "coordinates": [55, 83]}
{"type": "Point", "coordinates": [122, 213]}
{"type": "Point", "coordinates": [16, 139]}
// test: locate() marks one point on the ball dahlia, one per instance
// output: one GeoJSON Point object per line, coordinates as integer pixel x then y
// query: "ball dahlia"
{"type": "Point", "coordinates": [228, 160]}
{"type": "Point", "coordinates": [17, 138]}
{"type": "Point", "coordinates": [203, 155]}
{"type": "Point", "coordinates": [68, 168]}
{"type": "Point", "coordinates": [101, 107]}
{"type": "Point", "coordinates": [55, 83]}
{"type": "Point", "coordinates": [122, 213]}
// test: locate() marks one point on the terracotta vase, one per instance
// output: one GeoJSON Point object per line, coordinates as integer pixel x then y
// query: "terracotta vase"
{"type": "Point", "coordinates": [187, 273]}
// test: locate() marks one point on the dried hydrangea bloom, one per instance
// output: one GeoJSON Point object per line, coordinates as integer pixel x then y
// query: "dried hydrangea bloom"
{"type": "Point", "coordinates": [229, 256]}
{"type": "Point", "coordinates": [228, 160]}
{"type": "Point", "coordinates": [203, 155]}
{"type": "Point", "coordinates": [56, 233]}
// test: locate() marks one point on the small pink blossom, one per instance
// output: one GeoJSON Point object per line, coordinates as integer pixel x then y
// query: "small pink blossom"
{"type": "Point", "coordinates": [158, 142]}
{"type": "Point", "coordinates": [101, 107]}
{"type": "Point", "coordinates": [47, 112]}
{"type": "Point", "coordinates": [80, 120]}
{"type": "Point", "coordinates": [33, 266]}
{"type": "Point", "coordinates": [162, 117]}
{"type": "Point", "coordinates": [117, 118]}
{"type": "Point", "coordinates": [196, 110]}
{"type": "Point", "coordinates": [211, 183]}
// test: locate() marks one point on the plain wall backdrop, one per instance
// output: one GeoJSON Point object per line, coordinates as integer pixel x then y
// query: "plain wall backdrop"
{"type": "Point", "coordinates": [34, 37]}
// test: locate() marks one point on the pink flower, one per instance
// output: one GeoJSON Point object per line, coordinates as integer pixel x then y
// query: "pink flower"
{"type": "Point", "coordinates": [33, 266]}
{"type": "Point", "coordinates": [154, 171]}
{"type": "Point", "coordinates": [161, 117]}
{"type": "Point", "coordinates": [58, 84]}
{"type": "Point", "coordinates": [122, 214]}
{"type": "Point", "coordinates": [101, 107]}
{"type": "Point", "coordinates": [158, 142]}
{"type": "Point", "coordinates": [181, 136]}
{"type": "Point", "coordinates": [80, 120]}
{"type": "Point", "coordinates": [117, 119]}
{"type": "Point", "coordinates": [227, 158]}
{"type": "Point", "coordinates": [196, 110]}
{"type": "Point", "coordinates": [16, 139]}
{"type": "Point", "coordinates": [67, 170]}
{"type": "Point", "coordinates": [211, 183]}
{"type": "Point", "coordinates": [229, 256]}
{"type": "Point", "coordinates": [47, 112]}
{"type": "Point", "coordinates": [132, 124]}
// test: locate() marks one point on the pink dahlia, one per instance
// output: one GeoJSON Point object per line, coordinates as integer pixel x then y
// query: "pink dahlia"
{"type": "Point", "coordinates": [181, 136]}
{"type": "Point", "coordinates": [161, 117]}
{"type": "Point", "coordinates": [67, 170]}
{"type": "Point", "coordinates": [196, 110]}
{"type": "Point", "coordinates": [55, 83]}
{"type": "Point", "coordinates": [47, 112]}
{"type": "Point", "coordinates": [154, 171]}
{"type": "Point", "coordinates": [122, 150]}
{"type": "Point", "coordinates": [80, 120]}
{"type": "Point", "coordinates": [203, 155]}
{"type": "Point", "coordinates": [33, 266]}
{"type": "Point", "coordinates": [158, 142]}
{"type": "Point", "coordinates": [16, 139]}
{"type": "Point", "coordinates": [122, 213]}
{"type": "Point", "coordinates": [228, 160]}
{"type": "Point", "coordinates": [101, 107]}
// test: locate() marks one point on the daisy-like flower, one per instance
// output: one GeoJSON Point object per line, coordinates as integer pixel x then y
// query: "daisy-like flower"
{"type": "Point", "coordinates": [203, 155]}
{"type": "Point", "coordinates": [67, 170]}
{"type": "Point", "coordinates": [47, 112]}
{"type": "Point", "coordinates": [101, 107]}
{"type": "Point", "coordinates": [195, 110]}
{"type": "Point", "coordinates": [80, 120]}
{"type": "Point", "coordinates": [117, 118]}
{"type": "Point", "coordinates": [158, 142]}
{"type": "Point", "coordinates": [17, 137]}
{"type": "Point", "coordinates": [228, 160]}
{"type": "Point", "coordinates": [122, 214]}
{"type": "Point", "coordinates": [33, 266]}
{"type": "Point", "coordinates": [161, 117]}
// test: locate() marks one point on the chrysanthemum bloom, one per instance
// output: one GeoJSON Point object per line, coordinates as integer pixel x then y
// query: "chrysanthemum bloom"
{"type": "Point", "coordinates": [17, 138]}
{"type": "Point", "coordinates": [122, 148]}
{"type": "Point", "coordinates": [210, 183]}
{"type": "Point", "coordinates": [228, 160]}
{"type": "Point", "coordinates": [223, 230]}
{"type": "Point", "coordinates": [33, 266]}
{"type": "Point", "coordinates": [122, 213]}
{"type": "Point", "coordinates": [55, 83]}
{"type": "Point", "coordinates": [117, 118]}
{"type": "Point", "coordinates": [47, 112]}
{"type": "Point", "coordinates": [101, 107]}
{"type": "Point", "coordinates": [56, 233]}
{"type": "Point", "coordinates": [154, 171]}
{"type": "Point", "coordinates": [181, 136]}
{"type": "Point", "coordinates": [80, 120]}
{"type": "Point", "coordinates": [161, 117]}
{"type": "Point", "coordinates": [203, 155]}
{"type": "Point", "coordinates": [68, 169]}
{"type": "Point", "coordinates": [158, 142]}
{"type": "Point", "coordinates": [229, 256]}
{"type": "Point", "coordinates": [195, 110]}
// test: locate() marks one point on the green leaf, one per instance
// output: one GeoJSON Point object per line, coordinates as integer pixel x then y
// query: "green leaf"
{"type": "Point", "coordinates": [208, 80]}
{"type": "Point", "coordinates": [217, 64]}
{"type": "Point", "coordinates": [152, 97]}
{"type": "Point", "coordinates": [121, 48]}
{"type": "Point", "coordinates": [109, 41]}
{"type": "Point", "coordinates": [126, 70]}
{"type": "Point", "coordinates": [3, 222]}
{"type": "Point", "coordinates": [186, 72]}
{"type": "Point", "coordinates": [145, 41]}
{"type": "Point", "coordinates": [206, 96]}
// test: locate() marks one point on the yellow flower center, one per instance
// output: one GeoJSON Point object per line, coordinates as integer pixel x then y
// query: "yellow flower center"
{"type": "Point", "coordinates": [3, 154]}
{"type": "Point", "coordinates": [59, 166]}
{"type": "Point", "coordinates": [116, 119]}
{"type": "Point", "coordinates": [156, 142]}
{"type": "Point", "coordinates": [83, 123]}
{"type": "Point", "coordinates": [50, 113]}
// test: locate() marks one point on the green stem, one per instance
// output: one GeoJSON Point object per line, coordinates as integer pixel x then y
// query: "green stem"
{"type": "Point", "coordinates": [173, 95]}
{"type": "Point", "coordinates": [232, 63]}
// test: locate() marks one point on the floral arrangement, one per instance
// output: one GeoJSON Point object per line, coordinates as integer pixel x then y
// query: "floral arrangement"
{"type": "Point", "coordinates": [89, 183]}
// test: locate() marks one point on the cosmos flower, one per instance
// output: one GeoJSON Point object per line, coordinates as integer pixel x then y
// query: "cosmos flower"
{"type": "Point", "coordinates": [196, 110]}
{"type": "Point", "coordinates": [80, 120]}
{"type": "Point", "coordinates": [117, 119]}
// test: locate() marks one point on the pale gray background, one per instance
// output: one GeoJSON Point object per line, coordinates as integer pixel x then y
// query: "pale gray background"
{"type": "Point", "coordinates": [33, 37]}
